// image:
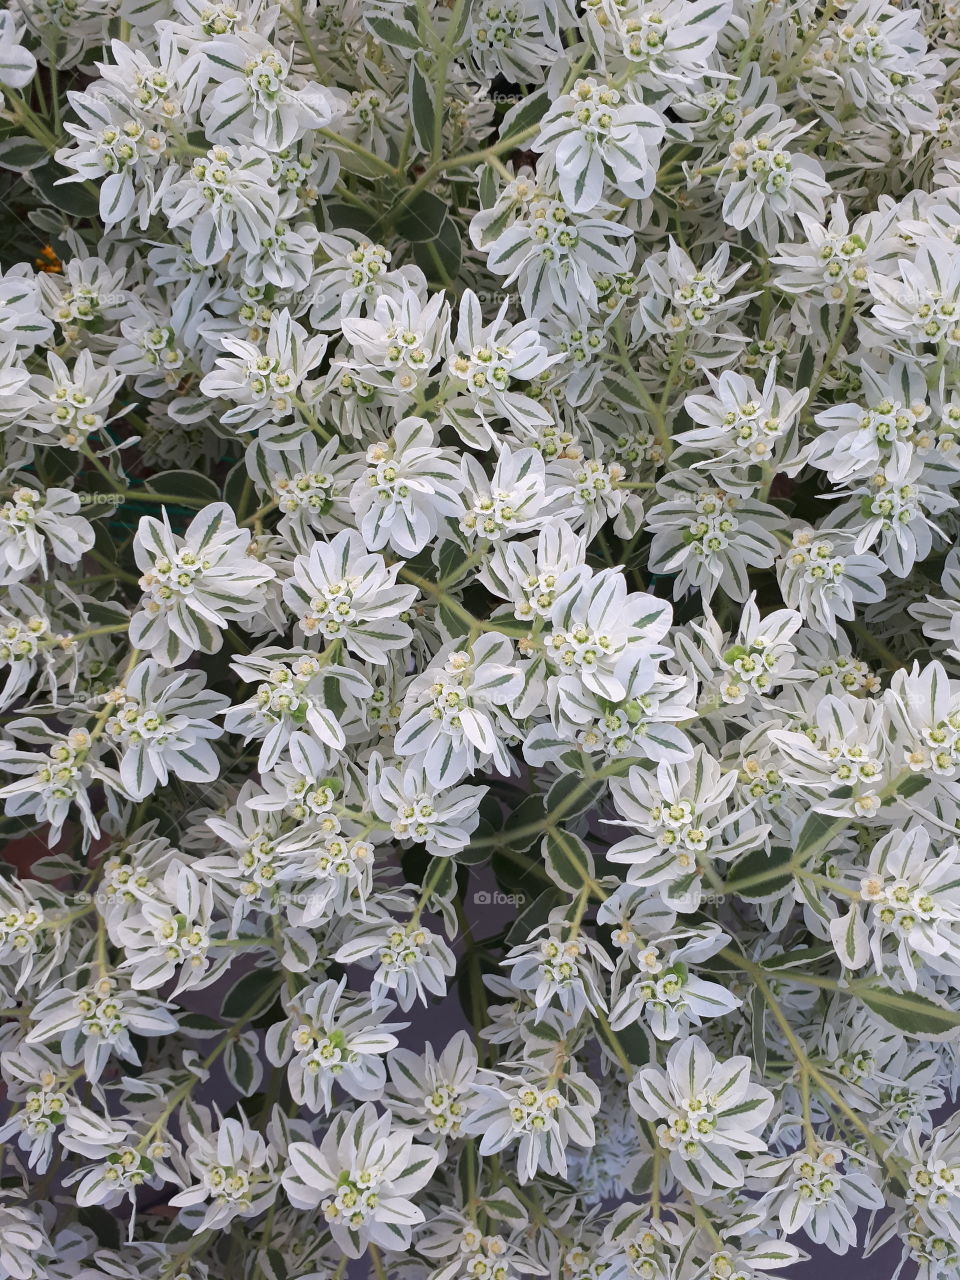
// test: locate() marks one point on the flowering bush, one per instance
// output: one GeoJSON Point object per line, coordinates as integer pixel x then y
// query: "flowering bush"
{"type": "Point", "coordinates": [480, 638]}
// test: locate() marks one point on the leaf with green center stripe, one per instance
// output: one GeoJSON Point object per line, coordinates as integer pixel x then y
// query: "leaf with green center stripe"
{"type": "Point", "coordinates": [567, 860]}
{"type": "Point", "coordinates": [908, 1011]}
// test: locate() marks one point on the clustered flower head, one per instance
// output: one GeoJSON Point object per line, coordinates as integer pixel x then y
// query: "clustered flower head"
{"type": "Point", "coordinates": [479, 639]}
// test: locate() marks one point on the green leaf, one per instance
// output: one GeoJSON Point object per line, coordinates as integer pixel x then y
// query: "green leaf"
{"type": "Point", "coordinates": [643, 1180]}
{"type": "Point", "coordinates": [243, 1070]}
{"type": "Point", "coordinates": [420, 218]}
{"type": "Point", "coordinates": [189, 485]}
{"type": "Point", "coordinates": [423, 108]}
{"type": "Point", "coordinates": [814, 833]}
{"type": "Point", "coordinates": [529, 812]}
{"type": "Point", "coordinates": [452, 562]}
{"type": "Point", "coordinates": [568, 861]}
{"type": "Point", "coordinates": [402, 35]}
{"type": "Point", "coordinates": [445, 869]}
{"type": "Point", "coordinates": [748, 870]}
{"type": "Point", "coordinates": [22, 153]}
{"type": "Point", "coordinates": [805, 367]}
{"type": "Point", "coordinates": [807, 957]}
{"type": "Point", "coordinates": [239, 493]}
{"type": "Point", "coordinates": [487, 187]}
{"type": "Point", "coordinates": [104, 1225]}
{"type": "Point", "coordinates": [908, 1011]}
{"type": "Point", "coordinates": [524, 115]}
{"type": "Point", "coordinates": [569, 796]}
{"type": "Point", "coordinates": [439, 259]}
{"type": "Point", "coordinates": [273, 1264]}
{"type": "Point", "coordinates": [341, 214]}
{"type": "Point", "coordinates": [632, 1040]}
{"type": "Point", "coordinates": [534, 915]}
{"type": "Point", "coordinates": [518, 872]}
{"type": "Point", "coordinates": [251, 990]}
{"type": "Point", "coordinates": [758, 1035]}
{"type": "Point", "coordinates": [72, 198]}
{"type": "Point", "coordinates": [912, 784]}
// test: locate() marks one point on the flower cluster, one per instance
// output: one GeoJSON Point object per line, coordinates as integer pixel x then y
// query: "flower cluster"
{"type": "Point", "coordinates": [479, 639]}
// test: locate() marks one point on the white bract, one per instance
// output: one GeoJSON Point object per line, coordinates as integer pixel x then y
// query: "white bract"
{"type": "Point", "coordinates": [362, 1178]}
{"type": "Point", "coordinates": [707, 1114]}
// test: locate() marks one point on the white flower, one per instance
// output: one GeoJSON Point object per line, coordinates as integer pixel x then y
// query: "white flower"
{"type": "Point", "coordinates": [925, 706]}
{"type": "Point", "coordinates": [456, 711]}
{"type": "Point", "coordinates": [38, 1079]}
{"type": "Point", "coordinates": [161, 723]}
{"type": "Point", "coordinates": [707, 1114]}
{"type": "Point", "coordinates": [836, 257]}
{"type": "Point", "coordinates": [840, 755]}
{"type": "Point", "coordinates": [442, 820]}
{"type": "Point", "coordinates": [684, 298]}
{"type": "Point", "coordinates": [823, 580]}
{"type": "Point", "coordinates": [682, 819]}
{"type": "Point", "coordinates": [598, 632]}
{"type": "Point", "coordinates": [401, 342]}
{"type": "Point", "coordinates": [592, 133]}
{"type": "Point", "coordinates": [329, 1038]}
{"type": "Point", "coordinates": [753, 1261]}
{"type": "Point", "coordinates": [857, 440]}
{"type": "Point", "coordinates": [431, 1093]}
{"type": "Point", "coordinates": [72, 403]}
{"type": "Point", "coordinates": [22, 928]}
{"type": "Point", "coordinates": [310, 484]}
{"type": "Point", "coordinates": [290, 708]}
{"type": "Point", "coordinates": [172, 936]}
{"type": "Point", "coordinates": [529, 574]}
{"type": "Point", "coordinates": [554, 255]}
{"type": "Point", "coordinates": [408, 488]}
{"type": "Point", "coordinates": [94, 1020]}
{"type": "Point", "coordinates": [53, 779]}
{"type": "Point", "coordinates": [767, 182]}
{"type": "Point", "coordinates": [361, 1178]}
{"type": "Point", "coordinates": [22, 319]}
{"type": "Point", "coordinates": [34, 523]}
{"type": "Point", "coordinates": [753, 662]}
{"type": "Point", "coordinates": [513, 500]}
{"type": "Point", "coordinates": [920, 303]}
{"type": "Point", "coordinates": [253, 100]}
{"type": "Point", "coordinates": [409, 960]}
{"type": "Point", "coordinates": [518, 42]}
{"type": "Point", "coordinates": [708, 537]}
{"type": "Point", "coordinates": [819, 1193]}
{"type": "Point", "coordinates": [237, 1173]}
{"type": "Point", "coordinates": [18, 66]}
{"type": "Point", "coordinates": [227, 196]}
{"type": "Point", "coordinates": [355, 275]}
{"type": "Point", "coordinates": [893, 507]}
{"type": "Point", "coordinates": [742, 425]}
{"type": "Point", "coordinates": [652, 981]}
{"type": "Point", "coordinates": [543, 1115]}
{"type": "Point", "coordinates": [670, 41]}
{"type": "Point", "coordinates": [115, 147]}
{"type": "Point", "coordinates": [563, 971]}
{"type": "Point", "coordinates": [194, 584]}
{"type": "Point", "coordinates": [265, 381]}
{"type": "Point", "coordinates": [332, 871]}
{"type": "Point", "coordinates": [342, 592]}
{"type": "Point", "coordinates": [907, 912]}
{"type": "Point", "coordinates": [121, 1162]}
{"type": "Point", "coordinates": [485, 363]}
{"type": "Point", "coordinates": [875, 57]}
